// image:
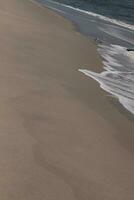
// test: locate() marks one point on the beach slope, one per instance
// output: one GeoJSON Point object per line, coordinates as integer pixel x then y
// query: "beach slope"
{"type": "Point", "coordinates": [56, 139]}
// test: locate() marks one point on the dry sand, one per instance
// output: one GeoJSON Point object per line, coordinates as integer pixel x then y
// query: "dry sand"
{"type": "Point", "coordinates": [61, 137]}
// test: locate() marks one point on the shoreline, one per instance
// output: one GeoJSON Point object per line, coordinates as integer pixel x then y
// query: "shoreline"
{"type": "Point", "coordinates": [100, 46]}
{"type": "Point", "coordinates": [60, 138]}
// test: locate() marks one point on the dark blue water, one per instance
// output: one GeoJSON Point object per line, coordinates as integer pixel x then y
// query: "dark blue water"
{"type": "Point", "coordinates": [119, 9]}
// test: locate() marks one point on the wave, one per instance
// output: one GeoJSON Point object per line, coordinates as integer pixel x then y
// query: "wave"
{"type": "Point", "coordinates": [102, 17]}
{"type": "Point", "coordinates": [116, 78]}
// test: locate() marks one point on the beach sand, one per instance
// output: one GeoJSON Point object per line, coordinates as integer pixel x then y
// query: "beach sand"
{"type": "Point", "coordinates": [61, 136]}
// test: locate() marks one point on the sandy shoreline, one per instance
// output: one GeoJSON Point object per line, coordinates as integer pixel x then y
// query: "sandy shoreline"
{"type": "Point", "coordinates": [60, 135]}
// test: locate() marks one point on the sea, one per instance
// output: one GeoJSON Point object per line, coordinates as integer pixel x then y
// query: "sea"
{"type": "Point", "coordinates": [111, 24]}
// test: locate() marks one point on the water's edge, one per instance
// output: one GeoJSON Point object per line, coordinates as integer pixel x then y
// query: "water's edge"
{"type": "Point", "coordinates": [112, 41]}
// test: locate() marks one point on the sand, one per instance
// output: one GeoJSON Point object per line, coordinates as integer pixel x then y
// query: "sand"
{"type": "Point", "coordinates": [61, 136]}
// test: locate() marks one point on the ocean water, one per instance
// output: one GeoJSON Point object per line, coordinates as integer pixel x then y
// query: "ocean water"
{"type": "Point", "coordinates": [119, 9]}
{"type": "Point", "coordinates": [111, 24]}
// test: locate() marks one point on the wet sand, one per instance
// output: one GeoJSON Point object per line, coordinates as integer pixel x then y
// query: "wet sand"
{"type": "Point", "coordinates": [61, 136]}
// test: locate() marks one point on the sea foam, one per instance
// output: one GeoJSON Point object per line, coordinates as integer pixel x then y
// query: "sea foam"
{"type": "Point", "coordinates": [116, 78]}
